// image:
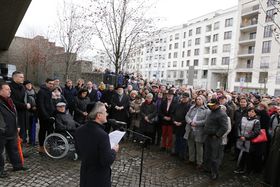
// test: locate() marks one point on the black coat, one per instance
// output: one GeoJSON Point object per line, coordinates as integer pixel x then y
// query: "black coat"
{"type": "Point", "coordinates": [93, 147]}
{"type": "Point", "coordinates": [80, 107]}
{"type": "Point", "coordinates": [44, 103]}
{"type": "Point", "coordinates": [18, 97]}
{"type": "Point", "coordinates": [8, 121]}
{"type": "Point", "coordinates": [64, 121]}
{"type": "Point", "coordinates": [149, 110]}
{"type": "Point", "coordinates": [93, 96]}
{"type": "Point", "coordinates": [179, 116]}
{"type": "Point", "coordinates": [70, 94]}
{"type": "Point", "coordinates": [272, 169]}
{"type": "Point", "coordinates": [120, 115]}
{"type": "Point", "coordinates": [163, 112]}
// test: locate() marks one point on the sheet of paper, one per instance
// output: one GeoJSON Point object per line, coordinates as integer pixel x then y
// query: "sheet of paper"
{"type": "Point", "coordinates": [115, 137]}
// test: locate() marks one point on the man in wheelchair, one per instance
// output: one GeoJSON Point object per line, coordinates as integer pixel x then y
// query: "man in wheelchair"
{"type": "Point", "coordinates": [64, 121]}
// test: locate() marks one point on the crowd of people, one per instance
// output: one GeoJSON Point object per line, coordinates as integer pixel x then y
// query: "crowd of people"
{"type": "Point", "coordinates": [195, 125]}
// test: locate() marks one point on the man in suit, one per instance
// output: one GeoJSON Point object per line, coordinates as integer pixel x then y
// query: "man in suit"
{"type": "Point", "coordinates": [93, 147]}
{"type": "Point", "coordinates": [92, 93]}
{"type": "Point", "coordinates": [120, 105]}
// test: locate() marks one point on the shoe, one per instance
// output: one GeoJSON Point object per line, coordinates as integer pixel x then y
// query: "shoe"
{"type": "Point", "coordinates": [20, 168]}
{"type": "Point", "coordinates": [239, 171]}
{"type": "Point", "coordinates": [214, 176]}
{"type": "Point", "coordinates": [3, 174]}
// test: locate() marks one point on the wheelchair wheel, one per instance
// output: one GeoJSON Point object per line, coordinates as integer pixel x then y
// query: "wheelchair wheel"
{"type": "Point", "coordinates": [56, 146]}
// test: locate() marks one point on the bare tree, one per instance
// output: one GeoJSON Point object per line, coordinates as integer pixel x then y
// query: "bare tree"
{"type": "Point", "coordinates": [120, 24]}
{"type": "Point", "coordinates": [73, 32]}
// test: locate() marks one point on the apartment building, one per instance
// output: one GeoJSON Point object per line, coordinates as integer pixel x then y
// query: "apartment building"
{"type": "Point", "coordinates": [199, 53]}
{"type": "Point", "coordinates": [101, 61]}
{"type": "Point", "coordinates": [258, 55]}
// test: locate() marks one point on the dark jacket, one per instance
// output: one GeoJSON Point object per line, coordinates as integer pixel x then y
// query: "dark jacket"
{"type": "Point", "coordinates": [272, 169]}
{"type": "Point", "coordinates": [163, 112]}
{"type": "Point", "coordinates": [19, 99]}
{"type": "Point", "coordinates": [44, 103]}
{"type": "Point", "coordinates": [120, 115]}
{"type": "Point", "coordinates": [93, 96]}
{"type": "Point", "coordinates": [238, 115]}
{"type": "Point", "coordinates": [216, 123]}
{"type": "Point", "coordinates": [93, 147]}
{"type": "Point", "coordinates": [150, 111]}
{"type": "Point", "coordinates": [64, 121]}
{"type": "Point", "coordinates": [179, 116]}
{"type": "Point", "coordinates": [8, 121]}
{"type": "Point", "coordinates": [80, 107]}
{"type": "Point", "coordinates": [69, 95]}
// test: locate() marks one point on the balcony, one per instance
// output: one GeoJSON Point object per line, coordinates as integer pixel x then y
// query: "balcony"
{"type": "Point", "coordinates": [251, 11]}
{"type": "Point", "coordinates": [247, 53]}
{"type": "Point", "coordinates": [249, 25]}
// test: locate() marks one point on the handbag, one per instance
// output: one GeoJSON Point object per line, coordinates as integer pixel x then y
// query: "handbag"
{"type": "Point", "coordinates": [260, 138]}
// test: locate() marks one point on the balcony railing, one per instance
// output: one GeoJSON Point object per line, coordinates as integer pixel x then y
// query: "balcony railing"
{"type": "Point", "coordinates": [250, 9]}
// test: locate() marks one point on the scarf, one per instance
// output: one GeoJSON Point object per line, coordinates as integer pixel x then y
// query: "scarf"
{"type": "Point", "coordinates": [9, 103]}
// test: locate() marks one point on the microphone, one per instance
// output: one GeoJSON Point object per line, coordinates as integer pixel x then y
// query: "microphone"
{"type": "Point", "coordinates": [113, 121]}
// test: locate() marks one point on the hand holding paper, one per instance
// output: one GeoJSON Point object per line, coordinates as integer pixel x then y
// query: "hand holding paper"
{"type": "Point", "coordinates": [115, 137]}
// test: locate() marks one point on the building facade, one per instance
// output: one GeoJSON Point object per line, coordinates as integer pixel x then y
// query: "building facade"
{"type": "Point", "coordinates": [199, 53]}
{"type": "Point", "coordinates": [258, 55]}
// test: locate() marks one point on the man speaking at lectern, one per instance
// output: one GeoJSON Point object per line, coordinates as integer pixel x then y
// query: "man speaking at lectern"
{"type": "Point", "coordinates": [94, 149]}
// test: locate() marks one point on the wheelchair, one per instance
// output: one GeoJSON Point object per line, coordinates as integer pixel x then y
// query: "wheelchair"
{"type": "Point", "coordinates": [60, 144]}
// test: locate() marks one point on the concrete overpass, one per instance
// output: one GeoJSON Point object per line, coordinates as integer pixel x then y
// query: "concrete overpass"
{"type": "Point", "coordinates": [11, 15]}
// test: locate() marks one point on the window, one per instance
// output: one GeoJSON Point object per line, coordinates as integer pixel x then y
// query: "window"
{"type": "Point", "coordinates": [169, 64]}
{"type": "Point", "coordinates": [198, 30]}
{"type": "Point", "coordinates": [277, 81]}
{"type": "Point", "coordinates": [196, 52]}
{"type": "Point", "coordinates": [207, 50]}
{"type": "Point", "coordinates": [188, 52]}
{"type": "Point", "coordinates": [249, 63]}
{"type": "Point", "coordinates": [185, 34]}
{"type": "Point", "coordinates": [270, 15]}
{"type": "Point", "coordinates": [208, 28]}
{"type": "Point", "coordinates": [175, 55]}
{"type": "Point", "coordinates": [174, 74]}
{"type": "Point", "coordinates": [182, 64]}
{"type": "Point", "coordinates": [227, 35]}
{"type": "Point", "coordinates": [176, 45]}
{"type": "Point", "coordinates": [177, 36]}
{"type": "Point", "coordinates": [226, 48]}
{"type": "Point", "coordinates": [214, 49]}
{"type": "Point", "coordinates": [184, 44]}
{"type": "Point", "coordinates": [216, 25]}
{"type": "Point", "coordinates": [252, 35]}
{"type": "Point", "coordinates": [264, 62]}
{"type": "Point", "coordinates": [197, 41]}
{"type": "Point", "coordinates": [229, 22]}
{"type": "Point", "coordinates": [251, 49]}
{"type": "Point", "coordinates": [195, 62]}
{"type": "Point", "coordinates": [263, 77]}
{"type": "Point", "coordinates": [188, 63]}
{"type": "Point", "coordinates": [213, 61]}
{"type": "Point", "coordinates": [208, 39]}
{"type": "Point", "coordinates": [174, 64]}
{"type": "Point", "coordinates": [168, 74]}
{"type": "Point", "coordinates": [206, 61]}
{"type": "Point", "coordinates": [170, 46]}
{"type": "Point", "coordinates": [204, 74]}
{"type": "Point", "coordinates": [225, 61]}
{"type": "Point", "coordinates": [170, 38]}
{"type": "Point", "coordinates": [183, 54]}
{"type": "Point", "coordinates": [267, 31]}
{"type": "Point", "coordinates": [189, 43]}
{"type": "Point", "coordinates": [215, 37]}
{"type": "Point", "coordinates": [266, 47]}
{"type": "Point", "coordinates": [195, 72]}
{"type": "Point", "coordinates": [279, 61]}
{"type": "Point", "coordinates": [190, 32]}
{"type": "Point", "coordinates": [169, 55]}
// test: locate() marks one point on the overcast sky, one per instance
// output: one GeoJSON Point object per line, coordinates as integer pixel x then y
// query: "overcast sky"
{"type": "Point", "coordinates": [41, 14]}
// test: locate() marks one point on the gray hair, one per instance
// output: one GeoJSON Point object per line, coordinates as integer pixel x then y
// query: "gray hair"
{"type": "Point", "coordinates": [149, 95]}
{"type": "Point", "coordinates": [95, 110]}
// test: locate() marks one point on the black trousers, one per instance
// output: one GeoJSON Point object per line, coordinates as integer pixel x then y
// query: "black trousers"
{"type": "Point", "coordinates": [46, 126]}
{"type": "Point", "coordinates": [12, 152]}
